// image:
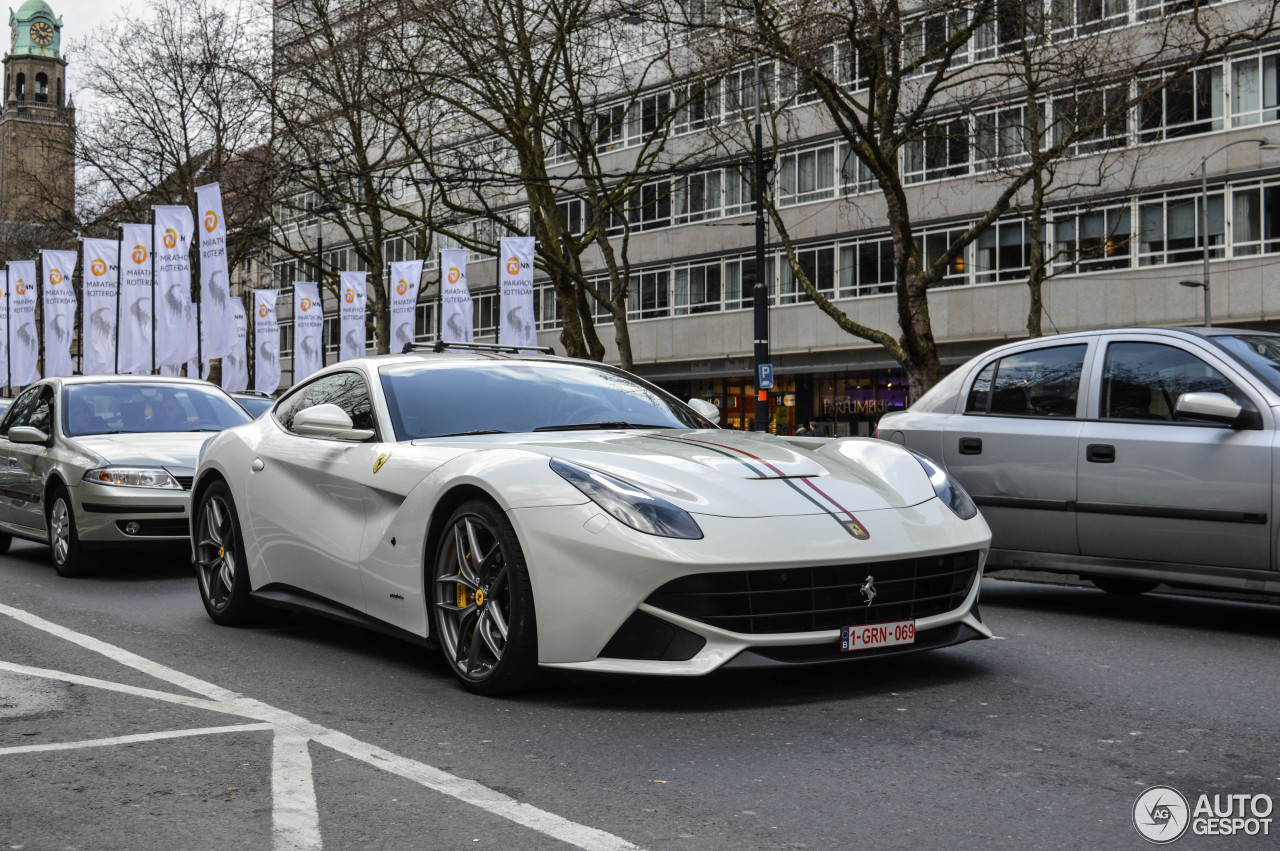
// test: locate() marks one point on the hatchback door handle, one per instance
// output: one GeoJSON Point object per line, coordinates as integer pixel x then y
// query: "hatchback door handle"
{"type": "Point", "coordinates": [970, 446]}
{"type": "Point", "coordinates": [1100, 453]}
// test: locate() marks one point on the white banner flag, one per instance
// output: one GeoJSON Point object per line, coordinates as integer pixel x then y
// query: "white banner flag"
{"type": "Point", "coordinates": [308, 330]}
{"type": "Point", "coordinates": [456, 306]}
{"type": "Point", "coordinates": [517, 325]}
{"type": "Point", "coordinates": [58, 311]}
{"type": "Point", "coordinates": [173, 231]}
{"type": "Point", "coordinates": [235, 365]}
{"type": "Point", "coordinates": [351, 309]}
{"type": "Point", "coordinates": [4, 324]}
{"type": "Point", "coordinates": [406, 275]}
{"type": "Point", "coordinates": [266, 342]}
{"type": "Point", "coordinates": [215, 284]}
{"type": "Point", "coordinates": [136, 288]}
{"type": "Point", "coordinates": [24, 343]}
{"type": "Point", "coordinates": [98, 336]}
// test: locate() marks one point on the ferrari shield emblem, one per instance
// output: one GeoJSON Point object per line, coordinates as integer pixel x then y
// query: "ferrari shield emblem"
{"type": "Point", "coordinates": [382, 459]}
{"type": "Point", "coordinates": [856, 530]}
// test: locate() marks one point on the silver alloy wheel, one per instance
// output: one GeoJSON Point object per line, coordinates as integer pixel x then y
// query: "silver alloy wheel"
{"type": "Point", "coordinates": [473, 596]}
{"type": "Point", "coordinates": [60, 530]}
{"type": "Point", "coordinates": [216, 553]}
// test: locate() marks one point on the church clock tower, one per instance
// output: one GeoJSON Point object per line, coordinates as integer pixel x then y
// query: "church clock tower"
{"type": "Point", "coordinates": [37, 121]}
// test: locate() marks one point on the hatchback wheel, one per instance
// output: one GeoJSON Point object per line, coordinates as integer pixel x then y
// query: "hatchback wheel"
{"type": "Point", "coordinates": [483, 602]}
{"type": "Point", "coordinates": [64, 542]}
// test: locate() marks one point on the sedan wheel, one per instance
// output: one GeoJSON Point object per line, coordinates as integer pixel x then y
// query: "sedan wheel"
{"type": "Point", "coordinates": [483, 612]}
{"type": "Point", "coordinates": [64, 542]}
{"type": "Point", "coordinates": [220, 565]}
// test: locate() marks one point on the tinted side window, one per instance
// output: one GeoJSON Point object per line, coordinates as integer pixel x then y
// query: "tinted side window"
{"type": "Point", "coordinates": [1039, 383]}
{"type": "Point", "coordinates": [347, 390]}
{"type": "Point", "coordinates": [18, 411]}
{"type": "Point", "coordinates": [1142, 381]}
{"type": "Point", "coordinates": [41, 415]}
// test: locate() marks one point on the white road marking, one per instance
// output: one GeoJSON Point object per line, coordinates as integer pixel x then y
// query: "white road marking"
{"type": "Point", "coordinates": [296, 822]}
{"type": "Point", "coordinates": [133, 739]}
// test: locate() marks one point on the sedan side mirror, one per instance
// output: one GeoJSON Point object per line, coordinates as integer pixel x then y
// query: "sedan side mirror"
{"type": "Point", "coordinates": [28, 434]}
{"type": "Point", "coordinates": [328, 421]}
{"type": "Point", "coordinates": [1215, 408]}
{"type": "Point", "coordinates": [703, 408]}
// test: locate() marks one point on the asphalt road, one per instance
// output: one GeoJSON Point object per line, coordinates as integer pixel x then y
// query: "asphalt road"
{"type": "Point", "coordinates": [128, 720]}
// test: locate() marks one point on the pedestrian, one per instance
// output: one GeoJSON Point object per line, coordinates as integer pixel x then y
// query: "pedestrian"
{"type": "Point", "coordinates": [801, 431]}
{"type": "Point", "coordinates": [816, 430]}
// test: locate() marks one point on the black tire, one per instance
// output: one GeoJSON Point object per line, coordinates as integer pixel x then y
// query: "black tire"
{"type": "Point", "coordinates": [64, 541]}
{"type": "Point", "coordinates": [221, 570]}
{"type": "Point", "coordinates": [482, 602]}
{"type": "Point", "coordinates": [1123, 587]}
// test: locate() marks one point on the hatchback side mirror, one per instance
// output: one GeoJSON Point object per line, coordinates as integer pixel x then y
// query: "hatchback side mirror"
{"type": "Point", "coordinates": [328, 421]}
{"type": "Point", "coordinates": [1215, 408]}
{"type": "Point", "coordinates": [28, 434]}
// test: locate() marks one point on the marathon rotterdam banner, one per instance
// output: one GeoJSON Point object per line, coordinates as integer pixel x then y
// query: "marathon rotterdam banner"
{"type": "Point", "coordinates": [23, 342]}
{"type": "Point", "coordinates": [215, 288]}
{"type": "Point", "coordinates": [351, 310]}
{"type": "Point", "coordinates": [406, 275]}
{"type": "Point", "coordinates": [101, 278]}
{"type": "Point", "coordinates": [173, 231]}
{"type": "Point", "coordinates": [59, 310]}
{"type": "Point", "coordinates": [308, 328]}
{"type": "Point", "coordinates": [455, 298]}
{"type": "Point", "coordinates": [235, 365]}
{"type": "Point", "coordinates": [266, 342]}
{"type": "Point", "coordinates": [136, 325]}
{"type": "Point", "coordinates": [517, 326]}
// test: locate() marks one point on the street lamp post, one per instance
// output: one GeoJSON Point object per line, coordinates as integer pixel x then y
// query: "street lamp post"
{"type": "Point", "coordinates": [1204, 218]}
{"type": "Point", "coordinates": [760, 293]}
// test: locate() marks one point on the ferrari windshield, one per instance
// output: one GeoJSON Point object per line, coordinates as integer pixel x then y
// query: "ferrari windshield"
{"type": "Point", "coordinates": [489, 397]}
{"type": "Point", "coordinates": [134, 407]}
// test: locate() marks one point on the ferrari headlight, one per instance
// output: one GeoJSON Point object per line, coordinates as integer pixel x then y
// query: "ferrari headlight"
{"type": "Point", "coordinates": [948, 489]}
{"type": "Point", "coordinates": [641, 511]}
{"type": "Point", "coordinates": [133, 477]}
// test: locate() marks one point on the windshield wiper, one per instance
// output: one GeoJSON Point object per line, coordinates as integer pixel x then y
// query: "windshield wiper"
{"type": "Point", "coordinates": [610, 425]}
{"type": "Point", "coordinates": [466, 433]}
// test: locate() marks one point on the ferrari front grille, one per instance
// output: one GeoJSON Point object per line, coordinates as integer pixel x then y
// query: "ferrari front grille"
{"type": "Point", "coordinates": [812, 599]}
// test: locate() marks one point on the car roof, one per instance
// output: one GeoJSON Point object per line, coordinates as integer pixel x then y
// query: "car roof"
{"type": "Point", "coordinates": [133, 379]}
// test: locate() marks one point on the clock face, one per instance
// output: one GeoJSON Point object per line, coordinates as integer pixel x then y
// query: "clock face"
{"type": "Point", "coordinates": [42, 33]}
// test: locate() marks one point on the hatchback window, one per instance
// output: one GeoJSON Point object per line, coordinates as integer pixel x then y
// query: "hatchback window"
{"type": "Point", "coordinates": [1038, 383]}
{"type": "Point", "coordinates": [1142, 381]}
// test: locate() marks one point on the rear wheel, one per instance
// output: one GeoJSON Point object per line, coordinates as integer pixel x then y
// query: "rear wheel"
{"type": "Point", "coordinates": [1123, 587]}
{"type": "Point", "coordinates": [64, 542]}
{"type": "Point", "coordinates": [483, 602]}
{"type": "Point", "coordinates": [221, 569]}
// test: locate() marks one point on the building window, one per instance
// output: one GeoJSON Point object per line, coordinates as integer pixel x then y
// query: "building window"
{"type": "Point", "coordinates": [424, 322]}
{"type": "Point", "coordinates": [575, 215]}
{"type": "Point", "coordinates": [484, 316]}
{"type": "Point", "coordinates": [699, 107]}
{"type": "Point", "coordinates": [818, 265]}
{"type": "Point", "coordinates": [807, 176]}
{"type": "Point", "coordinates": [942, 151]}
{"type": "Point", "coordinates": [740, 282]}
{"type": "Point", "coordinates": [933, 245]}
{"type": "Point", "coordinates": [1002, 253]}
{"type": "Point", "coordinates": [647, 116]}
{"type": "Point", "coordinates": [610, 125]}
{"type": "Point", "coordinates": [737, 191]}
{"type": "Point", "coordinates": [1152, 9]}
{"type": "Point", "coordinates": [650, 208]}
{"type": "Point", "coordinates": [697, 289]}
{"type": "Point", "coordinates": [697, 197]}
{"type": "Point", "coordinates": [1080, 17]}
{"type": "Point", "coordinates": [546, 307]}
{"type": "Point", "coordinates": [1096, 119]}
{"type": "Point", "coordinates": [42, 88]}
{"type": "Point", "coordinates": [855, 176]}
{"type": "Point", "coordinates": [1169, 230]}
{"type": "Point", "coordinates": [924, 40]}
{"type": "Point", "coordinates": [866, 268]}
{"type": "Point", "coordinates": [1003, 137]}
{"type": "Point", "coordinates": [651, 294]}
{"type": "Point", "coordinates": [1255, 90]}
{"type": "Point", "coordinates": [1093, 240]}
{"type": "Point", "coordinates": [1186, 106]}
{"type": "Point", "coordinates": [1007, 24]}
{"type": "Point", "coordinates": [1255, 225]}
{"type": "Point", "coordinates": [22, 87]}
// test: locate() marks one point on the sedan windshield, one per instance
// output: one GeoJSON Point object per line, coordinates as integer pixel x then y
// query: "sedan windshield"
{"type": "Point", "coordinates": [487, 397]}
{"type": "Point", "coordinates": [128, 408]}
{"type": "Point", "coordinates": [1260, 353]}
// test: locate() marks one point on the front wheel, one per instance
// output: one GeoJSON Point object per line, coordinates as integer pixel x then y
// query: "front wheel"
{"type": "Point", "coordinates": [483, 602]}
{"type": "Point", "coordinates": [64, 542]}
{"type": "Point", "coordinates": [221, 569]}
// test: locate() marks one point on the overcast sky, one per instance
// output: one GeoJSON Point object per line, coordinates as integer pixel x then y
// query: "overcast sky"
{"type": "Point", "coordinates": [80, 19]}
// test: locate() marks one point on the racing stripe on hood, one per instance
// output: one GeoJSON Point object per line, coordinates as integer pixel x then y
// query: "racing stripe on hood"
{"type": "Point", "coordinates": [852, 526]}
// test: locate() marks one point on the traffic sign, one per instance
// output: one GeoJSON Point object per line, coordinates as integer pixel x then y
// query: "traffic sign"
{"type": "Point", "coordinates": [764, 377]}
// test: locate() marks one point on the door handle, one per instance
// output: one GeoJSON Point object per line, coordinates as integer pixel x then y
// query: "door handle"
{"type": "Point", "coordinates": [970, 446]}
{"type": "Point", "coordinates": [1100, 453]}
{"type": "Point", "coordinates": [257, 465]}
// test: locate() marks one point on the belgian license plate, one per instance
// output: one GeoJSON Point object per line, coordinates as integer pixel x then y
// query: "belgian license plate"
{"type": "Point", "coordinates": [877, 635]}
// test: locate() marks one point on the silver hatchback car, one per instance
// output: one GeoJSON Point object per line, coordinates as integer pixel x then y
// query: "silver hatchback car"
{"type": "Point", "coordinates": [1132, 456]}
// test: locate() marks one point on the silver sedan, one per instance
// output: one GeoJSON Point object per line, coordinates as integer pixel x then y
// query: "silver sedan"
{"type": "Point", "coordinates": [97, 461]}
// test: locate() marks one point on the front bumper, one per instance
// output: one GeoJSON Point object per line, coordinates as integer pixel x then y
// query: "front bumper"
{"type": "Point", "coordinates": [104, 513]}
{"type": "Point", "coordinates": [591, 574]}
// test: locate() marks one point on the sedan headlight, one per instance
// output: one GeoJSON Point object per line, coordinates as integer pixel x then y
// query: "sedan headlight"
{"type": "Point", "coordinates": [948, 489]}
{"type": "Point", "coordinates": [641, 511]}
{"type": "Point", "coordinates": [133, 477]}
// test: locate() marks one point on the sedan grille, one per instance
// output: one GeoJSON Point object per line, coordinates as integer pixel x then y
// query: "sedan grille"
{"type": "Point", "coordinates": [185, 481]}
{"type": "Point", "coordinates": [811, 599]}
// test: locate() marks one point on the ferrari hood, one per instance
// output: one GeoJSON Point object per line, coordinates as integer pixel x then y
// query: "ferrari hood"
{"type": "Point", "coordinates": [745, 474]}
{"type": "Point", "coordinates": [165, 449]}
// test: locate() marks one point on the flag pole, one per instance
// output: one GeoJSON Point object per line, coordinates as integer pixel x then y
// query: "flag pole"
{"type": "Point", "coordinates": [119, 282]}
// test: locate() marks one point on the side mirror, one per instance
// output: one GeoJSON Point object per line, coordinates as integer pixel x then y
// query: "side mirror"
{"type": "Point", "coordinates": [1215, 408]}
{"type": "Point", "coordinates": [328, 421]}
{"type": "Point", "coordinates": [28, 434]}
{"type": "Point", "coordinates": [703, 408]}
